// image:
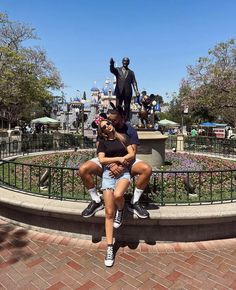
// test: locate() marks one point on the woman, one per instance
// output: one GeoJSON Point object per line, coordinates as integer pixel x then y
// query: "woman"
{"type": "Point", "coordinates": [113, 148]}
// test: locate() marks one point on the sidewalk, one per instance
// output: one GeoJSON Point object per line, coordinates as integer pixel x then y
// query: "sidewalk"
{"type": "Point", "coordinates": [33, 260]}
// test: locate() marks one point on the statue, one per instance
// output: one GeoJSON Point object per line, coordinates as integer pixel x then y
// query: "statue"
{"type": "Point", "coordinates": [125, 79]}
{"type": "Point", "coordinates": [145, 110]}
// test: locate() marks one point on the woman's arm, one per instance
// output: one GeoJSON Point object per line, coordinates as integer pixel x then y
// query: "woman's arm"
{"type": "Point", "coordinates": [108, 160]}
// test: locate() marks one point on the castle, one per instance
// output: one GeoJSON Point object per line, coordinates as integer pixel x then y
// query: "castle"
{"type": "Point", "coordinates": [69, 113]}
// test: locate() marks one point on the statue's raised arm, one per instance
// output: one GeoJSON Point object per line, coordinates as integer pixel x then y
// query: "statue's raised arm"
{"type": "Point", "coordinates": [112, 67]}
{"type": "Point", "coordinates": [112, 62]}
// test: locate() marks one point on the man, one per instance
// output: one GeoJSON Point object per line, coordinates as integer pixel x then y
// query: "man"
{"type": "Point", "coordinates": [125, 79]}
{"type": "Point", "coordinates": [139, 168]}
{"type": "Point", "coordinates": [193, 132]}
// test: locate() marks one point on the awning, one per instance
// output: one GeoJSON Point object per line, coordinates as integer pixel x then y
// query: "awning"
{"type": "Point", "coordinates": [45, 121]}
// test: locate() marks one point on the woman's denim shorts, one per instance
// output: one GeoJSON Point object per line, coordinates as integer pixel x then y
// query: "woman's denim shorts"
{"type": "Point", "coordinates": [109, 182]}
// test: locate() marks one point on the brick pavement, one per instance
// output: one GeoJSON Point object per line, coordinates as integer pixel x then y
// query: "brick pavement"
{"type": "Point", "coordinates": [38, 260]}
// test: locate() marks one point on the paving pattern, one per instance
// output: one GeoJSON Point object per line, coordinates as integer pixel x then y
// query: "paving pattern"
{"type": "Point", "coordinates": [37, 260]}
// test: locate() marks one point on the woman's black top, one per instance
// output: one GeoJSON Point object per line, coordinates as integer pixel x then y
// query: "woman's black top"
{"type": "Point", "coordinates": [112, 148]}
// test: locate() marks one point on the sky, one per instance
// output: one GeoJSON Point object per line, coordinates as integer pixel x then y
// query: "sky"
{"type": "Point", "coordinates": [161, 37]}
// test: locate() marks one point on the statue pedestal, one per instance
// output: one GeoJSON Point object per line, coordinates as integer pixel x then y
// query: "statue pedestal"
{"type": "Point", "coordinates": [152, 148]}
{"type": "Point", "coordinates": [180, 142]}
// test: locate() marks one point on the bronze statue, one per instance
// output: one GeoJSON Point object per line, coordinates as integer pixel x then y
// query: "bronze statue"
{"type": "Point", "coordinates": [146, 117]}
{"type": "Point", "coordinates": [125, 79]}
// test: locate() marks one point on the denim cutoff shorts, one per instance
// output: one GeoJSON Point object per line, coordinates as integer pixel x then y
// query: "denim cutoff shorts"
{"type": "Point", "coordinates": [109, 182]}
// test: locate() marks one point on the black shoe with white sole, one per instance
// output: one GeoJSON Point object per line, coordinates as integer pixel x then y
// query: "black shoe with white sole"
{"type": "Point", "coordinates": [92, 208]}
{"type": "Point", "coordinates": [139, 210]}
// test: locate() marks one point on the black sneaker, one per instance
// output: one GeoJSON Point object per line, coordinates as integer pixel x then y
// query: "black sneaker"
{"type": "Point", "coordinates": [92, 208]}
{"type": "Point", "coordinates": [109, 259]}
{"type": "Point", "coordinates": [139, 210]}
{"type": "Point", "coordinates": [118, 219]}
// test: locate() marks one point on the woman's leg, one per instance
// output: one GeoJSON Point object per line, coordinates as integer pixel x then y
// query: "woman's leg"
{"type": "Point", "coordinates": [109, 214]}
{"type": "Point", "coordinates": [121, 187]}
{"type": "Point", "coordinates": [109, 210]}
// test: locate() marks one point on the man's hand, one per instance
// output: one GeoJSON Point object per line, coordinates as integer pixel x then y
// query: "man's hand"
{"type": "Point", "coordinates": [123, 161]}
{"type": "Point", "coordinates": [112, 62]}
{"type": "Point", "coordinates": [116, 170]}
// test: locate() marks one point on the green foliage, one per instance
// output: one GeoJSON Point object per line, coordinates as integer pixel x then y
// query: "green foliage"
{"type": "Point", "coordinates": [27, 77]}
{"type": "Point", "coordinates": [209, 88]}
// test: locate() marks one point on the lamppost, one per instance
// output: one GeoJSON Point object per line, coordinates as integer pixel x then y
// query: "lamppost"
{"type": "Point", "coordinates": [77, 111]}
{"type": "Point", "coordinates": [184, 112]}
{"type": "Point", "coordinates": [82, 116]}
{"type": "Point", "coordinates": [154, 103]}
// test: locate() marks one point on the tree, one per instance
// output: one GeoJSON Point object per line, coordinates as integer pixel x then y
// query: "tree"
{"type": "Point", "coordinates": [211, 83]}
{"type": "Point", "coordinates": [175, 110]}
{"type": "Point", "coordinates": [27, 76]}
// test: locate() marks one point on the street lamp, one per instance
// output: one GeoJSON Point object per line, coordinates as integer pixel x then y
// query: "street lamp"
{"type": "Point", "coordinates": [154, 103]}
{"type": "Point", "coordinates": [184, 112]}
{"type": "Point", "coordinates": [82, 117]}
{"type": "Point", "coordinates": [77, 118]}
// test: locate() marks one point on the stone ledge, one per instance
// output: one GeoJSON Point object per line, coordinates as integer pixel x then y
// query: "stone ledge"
{"type": "Point", "coordinates": [169, 214]}
{"type": "Point", "coordinates": [216, 221]}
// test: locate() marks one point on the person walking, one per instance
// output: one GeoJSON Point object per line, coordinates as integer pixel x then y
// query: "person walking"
{"type": "Point", "coordinates": [193, 132]}
{"type": "Point", "coordinates": [113, 148]}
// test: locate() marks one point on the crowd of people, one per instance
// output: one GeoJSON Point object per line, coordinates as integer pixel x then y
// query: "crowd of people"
{"type": "Point", "coordinates": [38, 128]}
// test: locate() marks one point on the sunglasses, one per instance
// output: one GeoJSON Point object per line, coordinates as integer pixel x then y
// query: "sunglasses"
{"type": "Point", "coordinates": [107, 124]}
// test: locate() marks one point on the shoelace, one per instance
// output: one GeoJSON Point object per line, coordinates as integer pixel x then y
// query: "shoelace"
{"type": "Point", "coordinates": [90, 205]}
{"type": "Point", "coordinates": [118, 216]}
{"type": "Point", "coordinates": [140, 207]}
{"type": "Point", "coordinates": [109, 253]}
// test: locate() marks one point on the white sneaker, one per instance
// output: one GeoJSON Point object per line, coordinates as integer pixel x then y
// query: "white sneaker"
{"type": "Point", "coordinates": [118, 219]}
{"type": "Point", "coordinates": [109, 259]}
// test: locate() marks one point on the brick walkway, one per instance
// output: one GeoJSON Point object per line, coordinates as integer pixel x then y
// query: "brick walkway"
{"type": "Point", "coordinates": [33, 260]}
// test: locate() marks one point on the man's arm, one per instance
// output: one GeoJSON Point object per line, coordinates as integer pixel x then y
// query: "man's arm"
{"type": "Point", "coordinates": [108, 160]}
{"type": "Point", "coordinates": [134, 147]}
{"type": "Point", "coordinates": [117, 169]}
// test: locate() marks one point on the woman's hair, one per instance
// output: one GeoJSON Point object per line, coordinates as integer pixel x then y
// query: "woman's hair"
{"type": "Point", "coordinates": [120, 137]}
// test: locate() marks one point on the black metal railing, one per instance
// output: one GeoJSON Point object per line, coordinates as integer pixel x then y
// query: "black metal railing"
{"type": "Point", "coordinates": [211, 145]}
{"type": "Point", "coordinates": [203, 144]}
{"type": "Point", "coordinates": [165, 187]}
{"type": "Point", "coordinates": [36, 145]}
{"type": "Point", "coordinates": [171, 142]}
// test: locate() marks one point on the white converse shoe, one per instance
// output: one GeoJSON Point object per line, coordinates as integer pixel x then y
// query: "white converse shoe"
{"type": "Point", "coordinates": [109, 259]}
{"type": "Point", "coordinates": [118, 219]}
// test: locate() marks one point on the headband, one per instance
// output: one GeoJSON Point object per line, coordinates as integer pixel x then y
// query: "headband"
{"type": "Point", "coordinates": [99, 119]}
